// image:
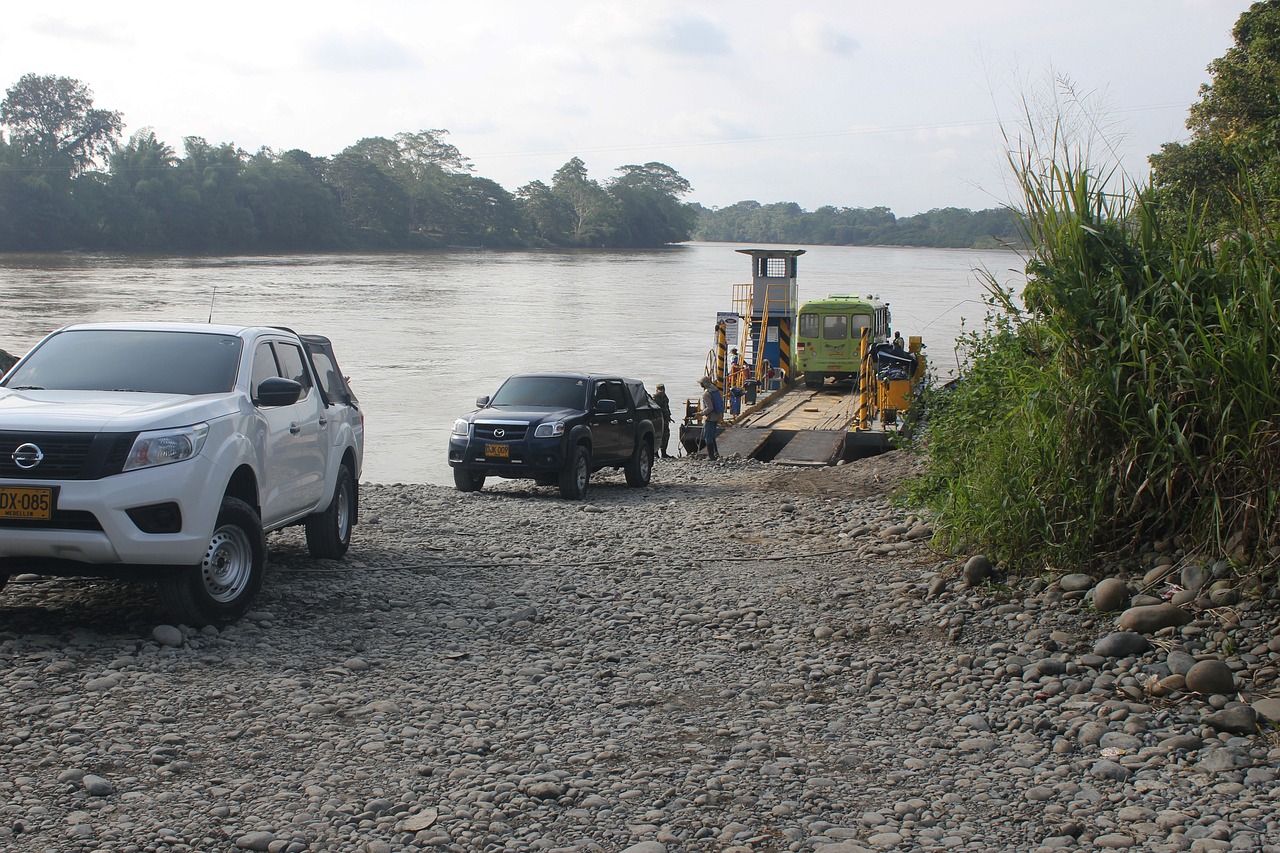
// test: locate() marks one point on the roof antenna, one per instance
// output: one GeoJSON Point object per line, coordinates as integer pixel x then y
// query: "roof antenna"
{"type": "Point", "coordinates": [211, 298]}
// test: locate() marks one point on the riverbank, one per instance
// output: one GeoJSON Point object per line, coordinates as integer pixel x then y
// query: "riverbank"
{"type": "Point", "coordinates": [739, 658]}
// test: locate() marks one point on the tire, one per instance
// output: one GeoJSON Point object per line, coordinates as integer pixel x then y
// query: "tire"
{"type": "Point", "coordinates": [467, 481]}
{"type": "Point", "coordinates": [576, 474]}
{"type": "Point", "coordinates": [640, 469]}
{"type": "Point", "coordinates": [225, 583]}
{"type": "Point", "coordinates": [329, 531]}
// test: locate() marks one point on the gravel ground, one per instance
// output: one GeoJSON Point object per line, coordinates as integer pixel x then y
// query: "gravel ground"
{"type": "Point", "coordinates": [739, 658]}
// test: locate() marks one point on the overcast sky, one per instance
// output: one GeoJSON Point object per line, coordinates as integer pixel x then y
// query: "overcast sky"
{"type": "Point", "coordinates": [885, 102]}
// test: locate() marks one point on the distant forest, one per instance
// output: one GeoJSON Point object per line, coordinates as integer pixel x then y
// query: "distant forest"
{"type": "Point", "coordinates": [69, 181]}
{"type": "Point", "coordinates": [787, 222]}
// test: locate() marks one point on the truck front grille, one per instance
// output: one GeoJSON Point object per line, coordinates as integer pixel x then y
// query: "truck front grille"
{"type": "Point", "coordinates": [510, 432]}
{"type": "Point", "coordinates": [66, 455]}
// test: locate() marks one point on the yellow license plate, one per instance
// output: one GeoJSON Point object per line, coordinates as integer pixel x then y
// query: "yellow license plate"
{"type": "Point", "coordinates": [503, 450]}
{"type": "Point", "coordinates": [26, 502]}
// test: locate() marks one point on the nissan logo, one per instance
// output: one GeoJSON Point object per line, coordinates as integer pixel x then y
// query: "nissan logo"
{"type": "Point", "coordinates": [499, 432]}
{"type": "Point", "coordinates": [27, 456]}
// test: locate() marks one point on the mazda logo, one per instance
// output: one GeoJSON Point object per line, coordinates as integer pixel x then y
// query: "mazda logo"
{"type": "Point", "coordinates": [499, 432]}
{"type": "Point", "coordinates": [27, 456]}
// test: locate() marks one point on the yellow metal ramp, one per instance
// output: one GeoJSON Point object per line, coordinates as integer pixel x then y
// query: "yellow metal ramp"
{"type": "Point", "coordinates": [743, 441]}
{"type": "Point", "coordinates": [812, 447]}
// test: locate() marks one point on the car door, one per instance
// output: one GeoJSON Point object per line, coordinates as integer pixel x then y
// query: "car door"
{"type": "Point", "coordinates": [628, 415]}
{"type": "Point", "coordinates": [310, 452]}
{"type": "Point", "coordinates": [341, 405]}
{"type": "Point", "coordinates": [606, 426]}
{"type": "Point", "coordinates": [289, 454]}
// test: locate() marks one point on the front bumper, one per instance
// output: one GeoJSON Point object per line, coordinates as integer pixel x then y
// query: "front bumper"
{"type": "Point", "coordinates": [104, 533]}
{"type": "Point", "coordinates": [527, 457]}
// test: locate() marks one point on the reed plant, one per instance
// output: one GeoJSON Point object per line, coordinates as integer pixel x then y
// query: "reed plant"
{"type": "Point", "coordinates": [1134, 395]}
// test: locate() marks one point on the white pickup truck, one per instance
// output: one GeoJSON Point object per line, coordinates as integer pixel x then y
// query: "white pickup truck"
{"type": "Point", "coordinates": [169, 451]}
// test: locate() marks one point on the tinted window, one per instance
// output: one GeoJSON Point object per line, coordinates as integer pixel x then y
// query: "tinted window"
{"type": "Point", "coordinates": [615, 392]}
{"type": "Point", "coordinates": [835, 327]}
{"type": "Point", "coordinates": [264, 367]}
{"type": "Point", "coordinates": [327, 373]}
{"type": "Point", "coordinates": [290, 357]}
{"type": "Point", "coordinates": [809, 325]}
{"type": "Point", "coordinates": [161, 362]}
{"type": "Point", "coordinates": [555, 392]}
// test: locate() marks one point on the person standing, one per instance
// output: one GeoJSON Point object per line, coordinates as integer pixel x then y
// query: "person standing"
{"type": "Point", "coordinates": [735, 368]}
{"type": "Point", "coordinates": [711, 407]}
{"type": "Point", "coordinates": [664, 429]}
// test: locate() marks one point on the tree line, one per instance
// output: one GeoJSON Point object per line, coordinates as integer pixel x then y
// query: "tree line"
{"type": "Point", "coordinates": [787, 222]}
{"type": "Point", "coordinates": [68, 180]}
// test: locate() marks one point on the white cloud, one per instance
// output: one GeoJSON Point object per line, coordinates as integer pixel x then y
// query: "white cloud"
{"type": "Point", "coordinates": [689, 35]}
{"type": "Point", "coordinates": [364, 51]}
{"type": "Point", "coordinates": [114, 35]}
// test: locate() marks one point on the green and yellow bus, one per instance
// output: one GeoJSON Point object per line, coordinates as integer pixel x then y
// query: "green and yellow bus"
{"type": "Point", "coordinates": [830, 332]}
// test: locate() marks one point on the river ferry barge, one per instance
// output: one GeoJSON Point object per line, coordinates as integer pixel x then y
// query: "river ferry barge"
{"type": "Point", "coordinates": [841, 392]}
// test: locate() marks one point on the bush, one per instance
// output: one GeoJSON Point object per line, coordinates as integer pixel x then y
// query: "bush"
{"type": "Point", "coordinates": [1137, 395]}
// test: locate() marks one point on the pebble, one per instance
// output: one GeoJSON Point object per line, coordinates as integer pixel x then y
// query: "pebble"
{"type": "Point", "coordinates": [1211, 676]}
{"type": "Point", "coordinates": [1110, 594]}
{"type": "Point", "coordinates": [1150, 618]}
{"type": "Point", "coordinates": [738, 658]}
{"type": "Point", "coordinates": [96, 786]}
{"type": "Point", "coordinates": [167, 635]}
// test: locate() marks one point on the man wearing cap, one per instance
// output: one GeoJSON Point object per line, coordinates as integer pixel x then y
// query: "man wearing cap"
{"type": "Point", "coordinates": [664, 429]}
{"type": "Point", "coordinates": [711, 415]}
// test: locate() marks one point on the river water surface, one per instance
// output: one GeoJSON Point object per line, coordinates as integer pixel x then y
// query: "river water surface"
{"type": "Point", "coordinates": [422, 335]}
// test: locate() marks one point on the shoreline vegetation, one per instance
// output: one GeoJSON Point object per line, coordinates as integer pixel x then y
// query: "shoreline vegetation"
{"type": "Point", "coordinates": [1131, 394]}
{"type": "Point", "coordinates": [69, 182]}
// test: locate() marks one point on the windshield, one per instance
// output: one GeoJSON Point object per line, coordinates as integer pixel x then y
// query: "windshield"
{"type": "Point", "coordinates": [552, 392]}
{"type": "Point", "coordinates": [161, 362]}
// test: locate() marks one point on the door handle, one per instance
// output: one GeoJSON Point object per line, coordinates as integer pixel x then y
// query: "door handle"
{"type": "Point", "coordinates": [295, 428]}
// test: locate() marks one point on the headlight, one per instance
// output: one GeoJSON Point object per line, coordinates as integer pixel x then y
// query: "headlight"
{"type": "Point", "coordinates": [551, 430]}
{"type": "Point", "coordinates": [461, 427]}
{"type": "Point", "coordinates": [165, 446]}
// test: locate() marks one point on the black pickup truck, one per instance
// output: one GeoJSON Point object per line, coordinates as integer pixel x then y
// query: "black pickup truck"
{"type": "Point", "coordinates": [556, 429]}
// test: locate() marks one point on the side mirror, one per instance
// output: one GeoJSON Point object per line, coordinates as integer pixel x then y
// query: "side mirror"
{"type": "Point", "coordinates": [606, 407]}
{"type": "Point", "coordinates": [278, 391]}
{"type": "Point", "coordinates": [481, 402]}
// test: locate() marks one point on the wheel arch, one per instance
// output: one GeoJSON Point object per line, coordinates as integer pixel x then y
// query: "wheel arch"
{"type": "Point", "coordinates": [244, 485]}
{"type": "Point", "coordinates": [349, 459]}
{"type": "Point", "coordinates": [579, 435]}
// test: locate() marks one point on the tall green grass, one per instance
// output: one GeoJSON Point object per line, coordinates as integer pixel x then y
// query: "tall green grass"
{"type": "Point", "coordinates": [1135, 395]}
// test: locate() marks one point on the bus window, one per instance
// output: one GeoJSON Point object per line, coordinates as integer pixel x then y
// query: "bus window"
{"type": "Point", "coordinates": [809, 325]}
{"type": "Point", "coordinates": [835, 327]}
